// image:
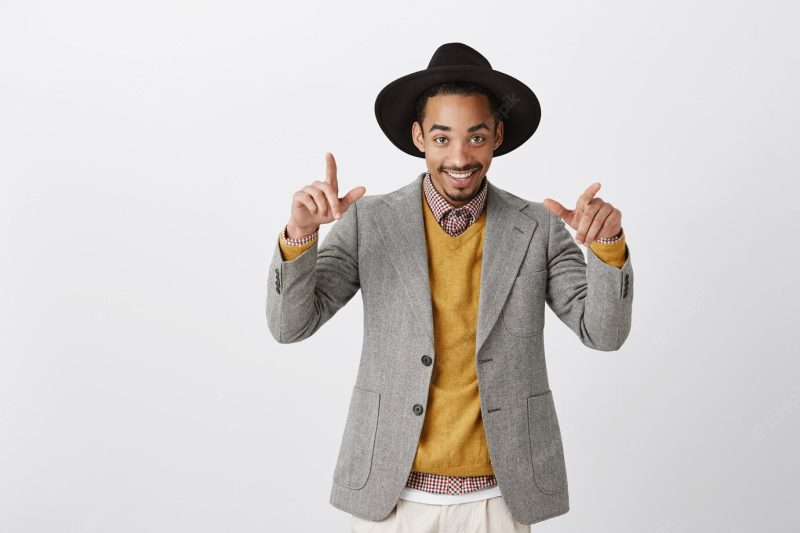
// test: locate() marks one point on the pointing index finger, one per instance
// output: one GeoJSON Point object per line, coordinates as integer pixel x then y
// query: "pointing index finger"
{"type": "Point", "coordinates": [330, 166]}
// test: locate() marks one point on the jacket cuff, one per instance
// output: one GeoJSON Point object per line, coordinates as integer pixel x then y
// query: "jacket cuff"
{"type": "Point", "coordinates": [612, 254]}
{"type": "Point", "coordinates": [290, 251]}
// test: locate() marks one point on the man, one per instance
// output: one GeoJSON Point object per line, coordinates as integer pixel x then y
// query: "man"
{"type": "Point", "coordinates": [452, 419]}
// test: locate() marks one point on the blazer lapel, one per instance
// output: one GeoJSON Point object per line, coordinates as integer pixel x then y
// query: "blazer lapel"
{"type": "Point", "coordinates": [403, 233]}
{"type": "Point", "coordinates": [509, 227]}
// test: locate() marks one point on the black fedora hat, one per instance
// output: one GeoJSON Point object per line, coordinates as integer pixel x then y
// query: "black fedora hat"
{"type": "Point", "coordinates": [518, 106]}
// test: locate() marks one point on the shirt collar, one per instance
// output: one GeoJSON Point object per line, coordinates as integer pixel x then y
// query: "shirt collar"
{"type": "Point", "coordinates": [440, 206]}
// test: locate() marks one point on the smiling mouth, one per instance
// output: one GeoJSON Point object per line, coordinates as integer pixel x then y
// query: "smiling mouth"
{"type": "Point", "coordinates": [461, 176]}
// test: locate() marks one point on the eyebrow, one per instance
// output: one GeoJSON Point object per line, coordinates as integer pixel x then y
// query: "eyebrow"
{"type": "Point", "coordinates": [448, 128]}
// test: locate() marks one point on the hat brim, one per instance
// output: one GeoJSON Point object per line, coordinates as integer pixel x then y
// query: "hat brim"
{"type": "Point", "coordinates": [519, 107]}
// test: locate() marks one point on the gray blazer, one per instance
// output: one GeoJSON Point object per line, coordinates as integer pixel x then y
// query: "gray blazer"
{"type": "Point", "coordinates": [529, 258]}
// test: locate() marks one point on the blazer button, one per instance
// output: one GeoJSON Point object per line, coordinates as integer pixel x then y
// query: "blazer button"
{"type": "Point", "coordinates": [426, 360]}
{"type": "Point", "coordinates": [417, 409]}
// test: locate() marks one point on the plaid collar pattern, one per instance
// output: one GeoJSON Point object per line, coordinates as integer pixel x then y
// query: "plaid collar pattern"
{"type": "Point", "coordinates": [454, 220]}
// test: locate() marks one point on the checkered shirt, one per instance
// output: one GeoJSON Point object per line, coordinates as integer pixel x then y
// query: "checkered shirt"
{"type": "Point", "coordinates": [448, 484]}
{"type": "Point", "coordinates": [454, 220]}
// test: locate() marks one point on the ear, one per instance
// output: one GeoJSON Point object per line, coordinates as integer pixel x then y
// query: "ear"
{"type": "Point", "coordinates": [417, 136]}
{"type": "Point", "coordinates": [498, 137]}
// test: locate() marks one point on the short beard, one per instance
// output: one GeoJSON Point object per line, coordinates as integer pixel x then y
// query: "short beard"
{"type": "Point", "coordinates": [464, 197]}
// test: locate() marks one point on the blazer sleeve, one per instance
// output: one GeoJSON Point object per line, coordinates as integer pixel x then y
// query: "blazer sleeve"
{"type": "Point", "coordinates": [593, 298]}
{"type": "Point", "coordinates": [305, 291]}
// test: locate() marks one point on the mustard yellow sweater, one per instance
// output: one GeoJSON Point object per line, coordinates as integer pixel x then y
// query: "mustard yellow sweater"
{"type": "Point", "coordinates": [453, 442]}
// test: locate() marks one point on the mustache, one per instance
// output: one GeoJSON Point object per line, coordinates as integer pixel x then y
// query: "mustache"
{"type": "Point", "coordinates": [465, 169]}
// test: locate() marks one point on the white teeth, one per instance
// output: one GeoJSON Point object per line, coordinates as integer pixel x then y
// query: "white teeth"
{"type": "Point", "coordinates": [459, 176]}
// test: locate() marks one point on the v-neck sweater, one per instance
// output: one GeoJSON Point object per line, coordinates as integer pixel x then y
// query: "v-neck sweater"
{"type": "Point", "coordinates": [453, 442]}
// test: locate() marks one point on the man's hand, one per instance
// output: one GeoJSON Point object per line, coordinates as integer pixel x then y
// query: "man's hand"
{"type": "Point", "coordinates": [319, 202]}
{"type": "Point", "coordinates": [591, 218]}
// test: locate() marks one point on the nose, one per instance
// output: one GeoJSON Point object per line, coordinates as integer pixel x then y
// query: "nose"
{"type": "Point", "coordinates": [459, 156]}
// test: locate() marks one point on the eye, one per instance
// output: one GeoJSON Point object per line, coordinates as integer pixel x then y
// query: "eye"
{"type": "Point", "coordinates": [481, 137]}
{"type": "Point", "coordinates": [436, 140]}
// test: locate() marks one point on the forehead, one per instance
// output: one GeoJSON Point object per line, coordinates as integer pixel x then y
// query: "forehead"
{"type": "Point", "coordinates": [457, 109]}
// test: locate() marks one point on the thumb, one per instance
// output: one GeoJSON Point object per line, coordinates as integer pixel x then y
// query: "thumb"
{"type": "Point", "coordinates": [351, 197]}
{"type": "Point", "coordinates": [556, 208]}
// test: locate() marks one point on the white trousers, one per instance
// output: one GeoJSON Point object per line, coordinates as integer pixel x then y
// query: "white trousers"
{"type": "Point", "coordinates": [484, 516]}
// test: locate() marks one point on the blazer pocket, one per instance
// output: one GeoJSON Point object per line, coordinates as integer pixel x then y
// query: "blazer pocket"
{"type": "Point", "coordinates": [547, 452]}
{"type": "Point", "coordinates": [523, 314]}
{"type": "Point", "coordinates": [358, 442]}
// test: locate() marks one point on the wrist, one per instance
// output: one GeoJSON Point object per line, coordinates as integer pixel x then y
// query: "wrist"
{"type": "Point", "coordinates": [294, 232]}
{"type": "Point", "coordinates": [611, 240]}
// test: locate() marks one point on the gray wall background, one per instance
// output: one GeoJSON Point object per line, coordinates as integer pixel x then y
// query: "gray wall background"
{"type": "Point", "coordinates": [148, 154]}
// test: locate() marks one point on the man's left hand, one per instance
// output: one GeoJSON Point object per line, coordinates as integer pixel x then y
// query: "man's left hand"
{"type": "Point", "coordinates": [591, 218]}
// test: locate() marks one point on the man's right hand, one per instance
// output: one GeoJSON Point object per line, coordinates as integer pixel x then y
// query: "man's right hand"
{"type": "Point", "coordinates": [319, 203]}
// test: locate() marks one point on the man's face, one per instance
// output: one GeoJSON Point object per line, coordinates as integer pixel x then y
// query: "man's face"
{"type": "Point", "coordinates": [458, 135]}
